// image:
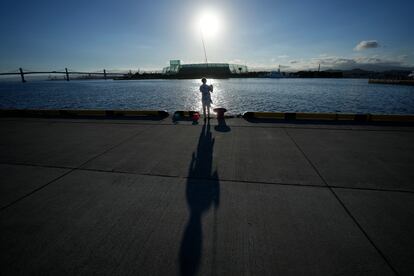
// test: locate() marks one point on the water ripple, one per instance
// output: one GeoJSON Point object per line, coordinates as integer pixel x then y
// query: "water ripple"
{"type": "Point", "coordinates": [237, 95]}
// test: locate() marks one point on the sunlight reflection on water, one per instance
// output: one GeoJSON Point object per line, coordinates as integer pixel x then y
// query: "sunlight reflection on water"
{"type": "Point", "coordinates": [237, 95]}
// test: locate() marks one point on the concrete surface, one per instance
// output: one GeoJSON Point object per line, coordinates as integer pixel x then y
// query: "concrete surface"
{"type": "Point", "coordinates": [241, 198]}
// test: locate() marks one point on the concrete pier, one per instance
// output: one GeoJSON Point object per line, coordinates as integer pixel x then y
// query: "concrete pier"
{"type": "Point", "coordinates": [143, 197]}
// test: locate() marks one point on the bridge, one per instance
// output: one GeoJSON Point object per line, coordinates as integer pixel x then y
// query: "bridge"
{"type": "Point", "coordinates": [65, 72]}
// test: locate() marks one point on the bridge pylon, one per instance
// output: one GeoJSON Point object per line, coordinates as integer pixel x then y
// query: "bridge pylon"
{"type": "Point", "coordinates": [67, 74]}
{"type": "Point", "coordinates": [22, 74]}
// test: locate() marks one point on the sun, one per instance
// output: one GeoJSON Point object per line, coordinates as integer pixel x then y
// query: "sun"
{"type": "Point", "coordinates": [209, 23]}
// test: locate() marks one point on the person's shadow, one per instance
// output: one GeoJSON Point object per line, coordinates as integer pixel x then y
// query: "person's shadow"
{"type": "Point", "coordinates": [201, 196]}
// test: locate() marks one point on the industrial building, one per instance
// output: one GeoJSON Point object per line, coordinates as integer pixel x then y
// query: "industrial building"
{"type": "Point", "coordinates": [196, 70]}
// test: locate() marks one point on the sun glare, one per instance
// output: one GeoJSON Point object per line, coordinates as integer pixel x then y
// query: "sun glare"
{"type": "Point", "coordinates": [209, 23]}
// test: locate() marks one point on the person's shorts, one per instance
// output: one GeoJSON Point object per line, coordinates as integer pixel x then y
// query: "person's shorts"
{"type": "Point", "coordinates": [206, 102]}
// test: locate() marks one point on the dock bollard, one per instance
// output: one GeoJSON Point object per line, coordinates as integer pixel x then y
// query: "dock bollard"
{"type": "Point", "coordinates": [220, 112]}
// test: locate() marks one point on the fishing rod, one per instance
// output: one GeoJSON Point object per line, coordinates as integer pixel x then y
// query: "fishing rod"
{"type": "Point", "coordinates": [204, 46]}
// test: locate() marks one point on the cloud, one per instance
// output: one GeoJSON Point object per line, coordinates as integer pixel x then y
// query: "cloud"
{"type": "Point", "coordinates": [332, 62]}
{"type": "Point", "coordinates": [374, 63]}
{"type": "Point", "coordinates": [403, 57]}
{"type": "Point", "coordinates": [284, 67]}
{"type": "Point", "coordinates": [283, 56]}
{"type": "Point", "coordinates": [366, 44]}
{"type": "Point", "coordinates": [232, 61]}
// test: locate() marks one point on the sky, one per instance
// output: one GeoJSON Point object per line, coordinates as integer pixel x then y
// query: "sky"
{"type": "Point", "coordinates": [145, 35]}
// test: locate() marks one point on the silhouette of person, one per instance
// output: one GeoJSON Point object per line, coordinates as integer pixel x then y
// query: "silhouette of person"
{"type": "Point", "coordinates": [206, 90]}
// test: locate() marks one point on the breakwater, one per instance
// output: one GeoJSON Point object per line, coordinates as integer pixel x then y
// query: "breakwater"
{"type": "Point", "coordinates": [399, 82]}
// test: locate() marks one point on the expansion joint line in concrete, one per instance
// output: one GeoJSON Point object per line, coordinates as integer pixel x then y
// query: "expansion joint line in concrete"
{"type": "Point", "coordinates": [343, 205]}
{"type": "Point", "coordinates": [70, 171]}
{"type": "Point", "coordinates": [210, 178]}
{"type": "Point", "coordinates": [35, 190]}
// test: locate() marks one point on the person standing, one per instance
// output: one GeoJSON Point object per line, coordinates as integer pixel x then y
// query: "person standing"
{"type": "Point", "coordinates": [206, 91]}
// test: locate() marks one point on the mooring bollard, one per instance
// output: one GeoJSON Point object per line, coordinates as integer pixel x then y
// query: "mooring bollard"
{"type": "Point", "coordinates": [220, 112]}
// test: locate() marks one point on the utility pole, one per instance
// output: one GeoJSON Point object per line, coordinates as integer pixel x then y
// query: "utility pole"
{"type": "Point", "coordinates": [22, 74]}
{"type": "Point", "coordinates": [67, 74]}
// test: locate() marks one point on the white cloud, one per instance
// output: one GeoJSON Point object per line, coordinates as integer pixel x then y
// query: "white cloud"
{"type": "Point", "coordinates": [374, 63]}
{"type": "Point", "coordinates": [366, 44]}
{"type": "Point", "coordinates": [236, 61]}
{"type": "Point", "coordinates": [283, 56]}
{"type": "Point", "coordinates": [363, 62]}
{"type": "Point", "coordinates": [403, 57]}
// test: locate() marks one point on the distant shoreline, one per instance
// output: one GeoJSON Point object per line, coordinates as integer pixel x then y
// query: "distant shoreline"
{"type": "Point", "coordinates": [329, 74]}
{"type": "Point", "coordinates": [395, 82]}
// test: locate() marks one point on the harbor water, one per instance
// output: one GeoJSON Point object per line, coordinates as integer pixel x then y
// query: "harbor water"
{"type": "Point", "coordinates": [237, 95]}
